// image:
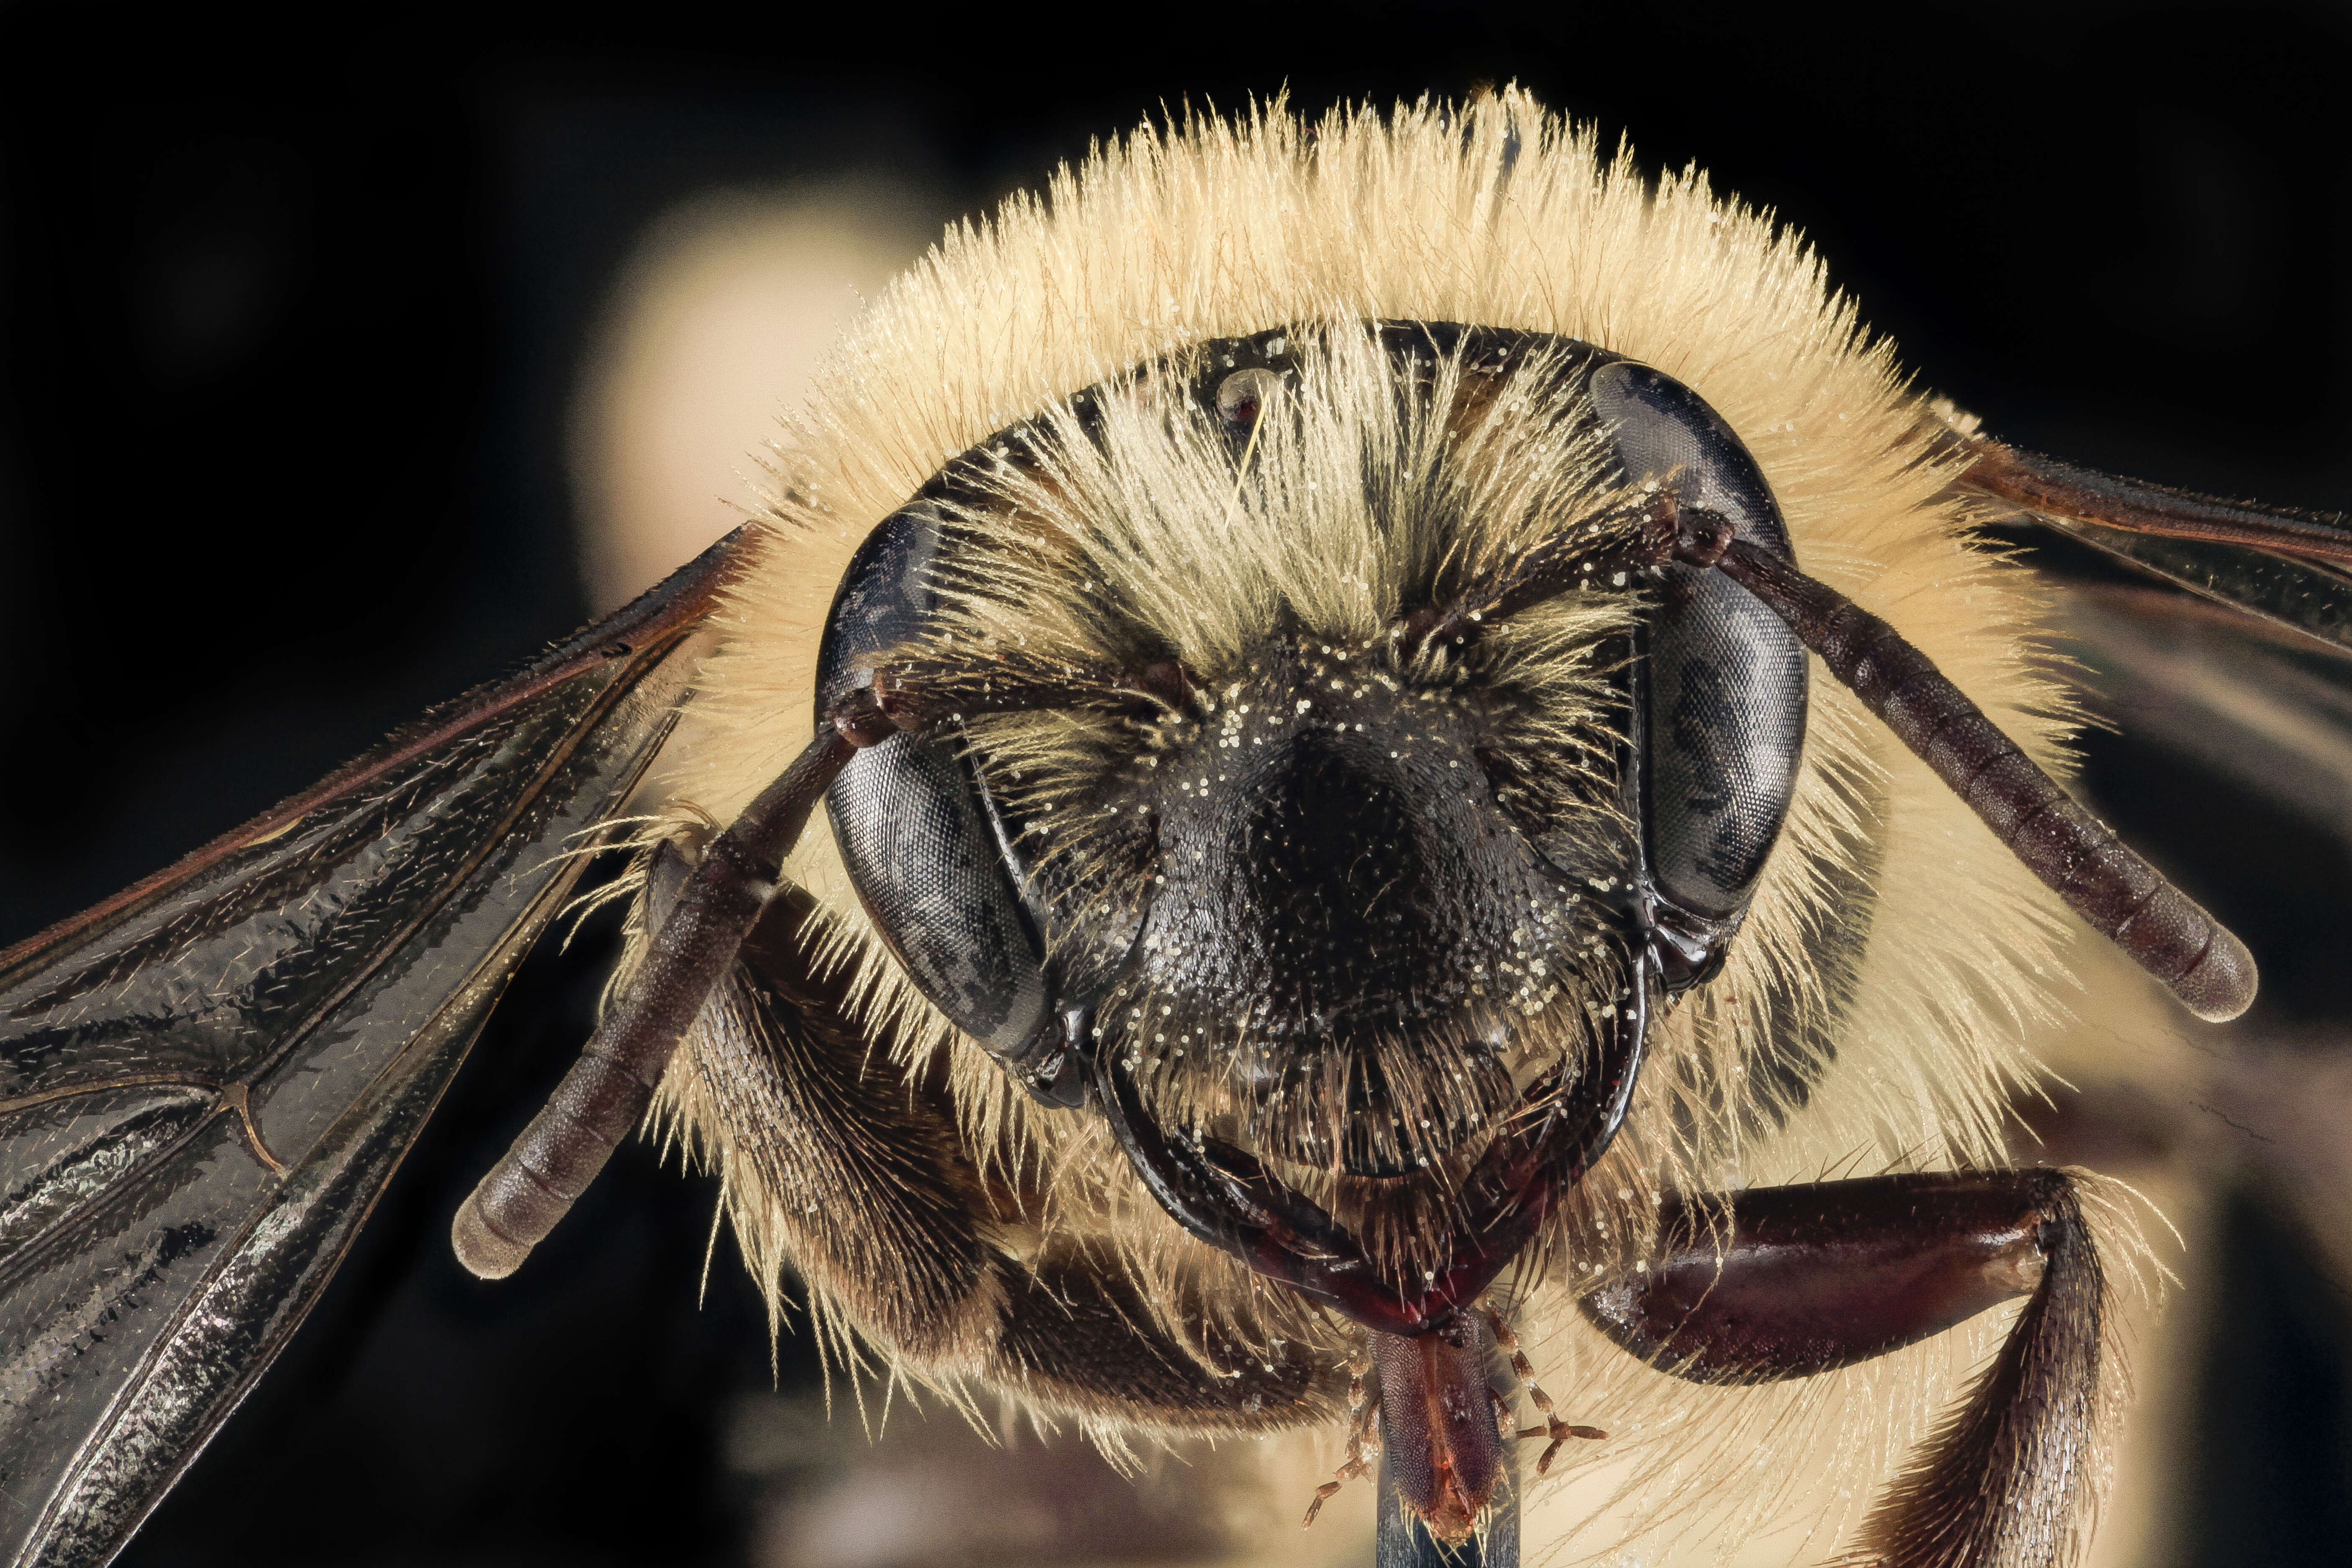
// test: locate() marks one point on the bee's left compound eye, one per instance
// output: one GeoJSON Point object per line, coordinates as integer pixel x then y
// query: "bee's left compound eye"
{"type": "Point", "coordinates": [919, 834]}
{"type": "Point", "coordinates": [1724, 715]}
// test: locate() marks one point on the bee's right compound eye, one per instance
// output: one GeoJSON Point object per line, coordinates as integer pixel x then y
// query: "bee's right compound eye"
{"type": "Point", "coordinates": [917, 832]}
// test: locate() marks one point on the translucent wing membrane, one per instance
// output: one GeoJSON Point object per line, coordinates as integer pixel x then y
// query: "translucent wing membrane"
{"type": "Point", "coordinates": [207, 1080]}
{"type": "Point", "coordinates": [2289, 567]}
{"type": "Point", "coordinates": [2261, 709]}
{"type": "Point", "coordinates": [2314, 598]}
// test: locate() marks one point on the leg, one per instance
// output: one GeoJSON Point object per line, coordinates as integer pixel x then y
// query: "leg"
{"type": "Point", "coordinates": [858, 1179]}
{"type": "Point", "coordinates": [855, 1176]}
{"type": "Point", "coordinates": [688, 961]}
{"type": "Point", "coordinates": [1078, 1337]}
{"type": "Point", "coordinates": [1788, 1282]}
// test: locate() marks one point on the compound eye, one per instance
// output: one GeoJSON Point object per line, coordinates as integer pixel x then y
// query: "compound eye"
{"type": "Point", "coordinates": [1725, 681]}
{"type": "Point", "coordinates": [921, 840]}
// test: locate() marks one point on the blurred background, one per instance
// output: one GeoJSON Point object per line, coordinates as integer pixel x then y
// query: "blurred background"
{"type": "Point", "coordinates": [344, 365]}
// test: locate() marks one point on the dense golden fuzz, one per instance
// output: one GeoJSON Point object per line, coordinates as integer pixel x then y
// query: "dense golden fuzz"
{"type": "Point", "coordinates": [1889, 928]}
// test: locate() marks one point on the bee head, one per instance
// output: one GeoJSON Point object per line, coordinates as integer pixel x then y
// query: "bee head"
{"type": "Point", "coordinates": [1321, 867]}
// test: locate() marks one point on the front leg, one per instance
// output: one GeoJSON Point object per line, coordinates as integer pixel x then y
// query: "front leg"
{"type": "Point", "coordinates": [1782, 1282]}
{"type": "Point", "coordinates": [857, 1177]}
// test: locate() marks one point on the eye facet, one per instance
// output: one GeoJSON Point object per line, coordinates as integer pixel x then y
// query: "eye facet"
{"type": "Point", "coordinates": [1725, 699]}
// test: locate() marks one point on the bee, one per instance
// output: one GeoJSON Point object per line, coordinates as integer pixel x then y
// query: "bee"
{"type": "Point", "coordinates": [1343, 758]}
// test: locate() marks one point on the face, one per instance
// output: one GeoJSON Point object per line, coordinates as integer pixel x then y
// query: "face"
{"type": "Point", "coordinates": [1268, 883]}
{"type": "Point", "coordinates": [1355, 837]}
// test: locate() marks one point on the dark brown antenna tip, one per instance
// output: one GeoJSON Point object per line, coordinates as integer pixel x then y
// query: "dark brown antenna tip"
{"type": "Point", "coordinates": [2223, 983]}
{"type": "Point", "coordinates": [485, 1253]}
{"type": "Point", "coordinates": [604, 1095]}
{"type": "Point", "coordinates": [2121, 896]}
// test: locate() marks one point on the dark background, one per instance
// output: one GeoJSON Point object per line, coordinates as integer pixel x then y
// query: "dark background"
{"type": "Point", "coordinates": [289, 323]}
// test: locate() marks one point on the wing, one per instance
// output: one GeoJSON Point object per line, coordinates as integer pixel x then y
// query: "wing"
{"type": "Point", "coordinates": [207, 1082]}
{"type": "Point", "coordinates": [2291, 568]}
{"type": "Point", "coordinates": [2216, 635]}
{"type": "Point", "coordinates": [2267, 714]}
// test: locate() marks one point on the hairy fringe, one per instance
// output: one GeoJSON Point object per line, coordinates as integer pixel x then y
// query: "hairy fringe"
{"type": "Point", "coordinates": [2013, 1476]}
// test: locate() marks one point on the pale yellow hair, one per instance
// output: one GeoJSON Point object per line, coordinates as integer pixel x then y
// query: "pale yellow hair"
{"type": "Point", "coordinates": [1494, 214]}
